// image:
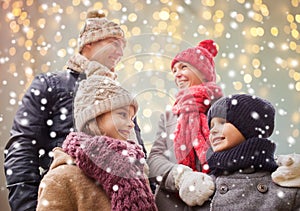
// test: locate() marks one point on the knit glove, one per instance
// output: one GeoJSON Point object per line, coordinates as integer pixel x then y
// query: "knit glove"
{"type": "Point", "coordinates": [194, 187]}
{"type": "Point", "coordinates": [288, 172]}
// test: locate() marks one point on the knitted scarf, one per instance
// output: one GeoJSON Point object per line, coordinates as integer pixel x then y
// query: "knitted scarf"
{"type": "Point", "coordinates": [192, 132]}
{"type": "Point", "coordinates": [255, 153]}
{"type": "Point", "coordinates": [116, 165]}
{"type": "Point", "coordinates": [81, 64]}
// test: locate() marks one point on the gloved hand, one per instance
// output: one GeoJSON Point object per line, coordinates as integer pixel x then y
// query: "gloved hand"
{"type": "Point", "coordinates": [288, 172]}
{"type": "Point", "coordinates": [194, 187]}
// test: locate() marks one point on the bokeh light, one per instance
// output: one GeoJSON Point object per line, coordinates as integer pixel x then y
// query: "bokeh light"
{"type": "Point", "coordinates": [258, 44]}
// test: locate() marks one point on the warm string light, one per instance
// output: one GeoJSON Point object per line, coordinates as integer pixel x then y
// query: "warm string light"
{"type": "Point", "coordinates": [258, 48]}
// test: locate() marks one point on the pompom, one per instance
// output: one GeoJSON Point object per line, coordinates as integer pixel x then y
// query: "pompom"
{"type": "Point", "coordinates": [210, 46]}
{"type": "Point", "coordinates": [95, 14]}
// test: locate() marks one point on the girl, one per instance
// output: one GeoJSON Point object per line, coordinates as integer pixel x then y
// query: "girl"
{"type": "Point", "coordinates": [98, 168]}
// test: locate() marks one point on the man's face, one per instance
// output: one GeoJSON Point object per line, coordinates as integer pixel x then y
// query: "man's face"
{"type": "Point", "coordinates": [107, 52]}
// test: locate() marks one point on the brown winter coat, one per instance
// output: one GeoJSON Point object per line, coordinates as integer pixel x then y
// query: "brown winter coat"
{"type": "Point", "coordinates": [66, 187]}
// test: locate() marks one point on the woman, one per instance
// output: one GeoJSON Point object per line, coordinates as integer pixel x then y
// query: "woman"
{"type": "Point", "coordinates": [176, 162]}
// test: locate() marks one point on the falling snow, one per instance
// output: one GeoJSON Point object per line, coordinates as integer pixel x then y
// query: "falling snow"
{"type": "Point", "coordinates": [258, 44]}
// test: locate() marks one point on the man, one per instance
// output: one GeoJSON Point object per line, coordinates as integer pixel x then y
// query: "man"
{"type": "Point", "coordinates": [45, 116]}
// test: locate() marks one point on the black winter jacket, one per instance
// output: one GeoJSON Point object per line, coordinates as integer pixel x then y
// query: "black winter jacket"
{"type": "Point", "coordinates": [42, 122]}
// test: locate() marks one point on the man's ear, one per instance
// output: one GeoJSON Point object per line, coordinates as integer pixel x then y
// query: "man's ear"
{"type": "Point", "coordinates": [85, 50]}
{"type": "Point", "coordinates": [86, 47]}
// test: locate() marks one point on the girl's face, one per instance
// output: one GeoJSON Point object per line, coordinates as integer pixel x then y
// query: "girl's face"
{"type": "Point", "coordinates": [107, 52]}
{"type": "Point", "coordinates": [118, 123]}
{"type": "Point", "coordinates": [224, 135]}
{"type": "Point", "coordinates": [186, 75]}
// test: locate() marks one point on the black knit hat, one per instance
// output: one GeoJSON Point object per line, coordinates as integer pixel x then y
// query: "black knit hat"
{"type": "Point", "coordinates": [251, 115]}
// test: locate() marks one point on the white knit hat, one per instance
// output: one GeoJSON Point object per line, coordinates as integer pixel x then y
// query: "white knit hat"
{"type": "Point", "coordinates": [97, 95]}
{"type": "Point", "coordinates": [96, 28]}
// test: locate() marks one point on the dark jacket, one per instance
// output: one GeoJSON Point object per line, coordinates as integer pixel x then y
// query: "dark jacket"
{"type": "Point", "coordinates": [41, 123]}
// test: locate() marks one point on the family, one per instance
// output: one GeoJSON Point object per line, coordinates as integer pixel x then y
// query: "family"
{"type": "Point", "coordinates": [83, 148]}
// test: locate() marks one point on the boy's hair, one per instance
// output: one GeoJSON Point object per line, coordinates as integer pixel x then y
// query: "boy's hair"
{"type": "Point", "coordinates": [251, 115]}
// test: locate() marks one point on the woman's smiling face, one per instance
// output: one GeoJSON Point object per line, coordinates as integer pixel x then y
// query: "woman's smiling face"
{"type": "Point", "coordinates": [186, 75]}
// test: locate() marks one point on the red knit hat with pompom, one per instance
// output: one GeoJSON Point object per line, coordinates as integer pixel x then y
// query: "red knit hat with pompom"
{"type": "Point", "coordinates": [201, 57]}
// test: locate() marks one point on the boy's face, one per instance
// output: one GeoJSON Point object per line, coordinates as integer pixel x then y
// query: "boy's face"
{"type": "Point", "coordinates": [224, 135]}
{"type": "Point", "coordinates": [118, 123]}
{"type": "Point", "coordinates": [186, 75]}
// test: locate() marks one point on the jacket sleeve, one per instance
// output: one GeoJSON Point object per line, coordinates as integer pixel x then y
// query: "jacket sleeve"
{"type": "Point", "coordinates": [159, 161]}
{"type": "Point", "coordinates": [22, 150]}
{"type": "Point", "coordinates": [138, 136]}
{"type": "Point", "coordinates": [297, 200]}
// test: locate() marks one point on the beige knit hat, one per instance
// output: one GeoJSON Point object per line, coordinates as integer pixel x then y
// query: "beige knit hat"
{"type": "Point", "coordinates": [98, 27]}
{"type": "Point", "coordinates": [96, 95]}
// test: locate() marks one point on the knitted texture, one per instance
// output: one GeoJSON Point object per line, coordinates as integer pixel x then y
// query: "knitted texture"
{"type": "Point", "coordinates": [116, 165]}
{"type": "Point", "coordinates": [201, 57]}
{"type": "Point", "coordinates": [191, 134]}
{"type": "Point", "coordinates": [255, 153]}
{"type": "Point", "coordinates": [99, 94]}
{"type": "Point", "coordinates": [185, 178]}
{"type": "Point", "coordinates": [251, 115]}
{"type": "Point", "coordinates": [96, 28]}
{"type": "Point", "coordinates": [288, 172]}
{"type": "Point", "coordinates": [81, 64]}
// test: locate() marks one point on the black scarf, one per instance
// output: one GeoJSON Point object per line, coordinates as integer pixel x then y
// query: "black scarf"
{"type": "Point", "coordinates": [254, 153]}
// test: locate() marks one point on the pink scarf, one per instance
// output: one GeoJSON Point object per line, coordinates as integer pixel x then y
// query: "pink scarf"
{"type": "Point", "coordinates": [192, 132]}
{"type": "Point", "coordinates": [116, 165]}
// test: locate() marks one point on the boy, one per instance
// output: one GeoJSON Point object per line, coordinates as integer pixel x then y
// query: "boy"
{"type": "Point", "coordinates": [243, 157]}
